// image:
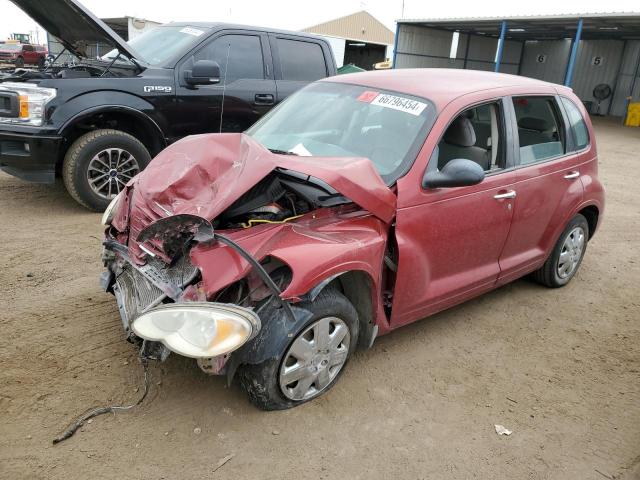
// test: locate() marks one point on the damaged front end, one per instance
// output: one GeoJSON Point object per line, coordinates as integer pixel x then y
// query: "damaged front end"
{"type": "Point", "coordinates": [213, 249]}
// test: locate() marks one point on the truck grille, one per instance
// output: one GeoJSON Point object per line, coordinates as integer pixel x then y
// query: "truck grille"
{"type": "Point", "coordinates": [136, 291]}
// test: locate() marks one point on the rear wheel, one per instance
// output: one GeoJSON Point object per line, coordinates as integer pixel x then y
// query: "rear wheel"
{"type": "Point", "coordinates": [312, 362]}
{"type": "Point", "coordinates": [99, 164]}
{"type": "Point", "coordinates": [41, 62]}
{"type": "Point", "coordinates": [567, 255]}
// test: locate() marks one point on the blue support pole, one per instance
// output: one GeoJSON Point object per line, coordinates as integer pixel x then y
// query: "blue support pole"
{"type": "Point", "coordinates": [503, 32]}
{"type": "Point", "coordinates": [395, 45]}
{"type": "Point", "coordinates": [574, 54]}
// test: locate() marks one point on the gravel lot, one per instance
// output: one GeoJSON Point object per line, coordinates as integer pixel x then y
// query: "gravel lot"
{"type": "Point", "coordinates": [561, 368]}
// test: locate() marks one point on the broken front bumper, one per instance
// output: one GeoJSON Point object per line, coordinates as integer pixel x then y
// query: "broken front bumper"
{"type": "Point", "coordinates": [152, 296]}
{"type": "Point", "coordinates": [140, 288]}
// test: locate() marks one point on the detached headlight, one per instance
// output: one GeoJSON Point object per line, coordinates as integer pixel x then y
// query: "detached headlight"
{"type": "Point", "coordinates": [108, 214]}
{"type": "Point", "coordinates": [199, 329]}
{"type": "Point", "coordinates": [31, 102]}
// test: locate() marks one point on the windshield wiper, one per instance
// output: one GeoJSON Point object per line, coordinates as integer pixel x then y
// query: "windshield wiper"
{"type": "Point", "coordinates": [282, 152]}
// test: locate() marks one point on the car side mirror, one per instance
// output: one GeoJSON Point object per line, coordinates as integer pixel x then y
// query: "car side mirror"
{"type": "Point", "coordinates": [204, 72]}
{"type": "Point", "coordinates": [459, 172]}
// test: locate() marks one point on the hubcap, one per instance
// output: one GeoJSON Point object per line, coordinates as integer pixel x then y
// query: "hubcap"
{"type": "Point", "coordinates": [571, 252]}
{"type": "Point", "coordinates": [109, 170]}
{"type": "Point", "coordinates": [314, 358]}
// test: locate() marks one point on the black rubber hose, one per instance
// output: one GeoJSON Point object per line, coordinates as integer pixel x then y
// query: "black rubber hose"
{"type": "Point", "coordinates": [71, 429]}
{"type": "Point", "coordinates": [260, 271]}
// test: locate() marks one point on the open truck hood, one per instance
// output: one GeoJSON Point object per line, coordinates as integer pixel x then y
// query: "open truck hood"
{"type": "Point", "coordinates": [203, 175]}
{"type": "Point", "coordinates": [74, 25]}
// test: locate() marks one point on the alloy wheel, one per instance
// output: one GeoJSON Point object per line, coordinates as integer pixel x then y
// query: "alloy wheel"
{"type": "Point", "coordinates": [110, 170]}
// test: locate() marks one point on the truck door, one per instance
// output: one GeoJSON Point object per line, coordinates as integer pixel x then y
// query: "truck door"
{"type": "Point", "coordinates": [297, 61]}
{"type": "Point", "coordinates": [246, 83]}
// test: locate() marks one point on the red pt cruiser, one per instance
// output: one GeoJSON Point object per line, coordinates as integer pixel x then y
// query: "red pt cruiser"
{"type": "Point", "coordinates": [360, 204]}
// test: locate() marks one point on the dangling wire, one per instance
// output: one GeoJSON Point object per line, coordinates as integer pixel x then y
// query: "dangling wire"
{"type": "Point", "coordinates": [71, 429]}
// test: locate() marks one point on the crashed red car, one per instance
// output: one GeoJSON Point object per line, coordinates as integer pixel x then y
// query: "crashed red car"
{"type": "Point", "coordinates": [362, 203]}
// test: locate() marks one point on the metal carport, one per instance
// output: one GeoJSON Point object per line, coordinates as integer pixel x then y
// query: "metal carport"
{"type": "Point", "coordinates": [580, 51]}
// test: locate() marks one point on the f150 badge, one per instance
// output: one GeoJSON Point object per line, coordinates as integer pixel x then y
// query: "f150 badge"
{"type": "Point", "coordinates": [157, 88]}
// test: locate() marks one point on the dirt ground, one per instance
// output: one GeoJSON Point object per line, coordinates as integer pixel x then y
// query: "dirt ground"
{"type": "Point", "coordinates": [561, 368]}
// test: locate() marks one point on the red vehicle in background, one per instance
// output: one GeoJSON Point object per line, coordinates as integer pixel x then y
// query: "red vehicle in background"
{"type": "Point", "coordinates": [21, 54]}
{"type": "Point", "coordinates": [362, 203]}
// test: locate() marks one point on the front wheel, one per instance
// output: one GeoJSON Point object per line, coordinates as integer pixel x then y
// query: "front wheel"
{"type": "Point", "coordinates": [19, 62]}
{"type": "Point", "coordinates": [567, 255]}
{"type": "Point", "coordinates": [312, 362]}
{"type": "Point", "coordinates": [99, 164]}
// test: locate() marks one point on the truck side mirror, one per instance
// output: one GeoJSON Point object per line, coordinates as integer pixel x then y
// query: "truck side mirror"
{"type": "Point", "coordinates": [204, 72]}
{"type": "Point", "coordinates": [459, 172]}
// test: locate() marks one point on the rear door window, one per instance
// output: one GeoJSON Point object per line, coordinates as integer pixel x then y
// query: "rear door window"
{"type": "Point", "coordinates": [239, 56]}
{"type": "Point", "coordinates": [579, 129]}
{"type": "Point", "coordinates": [301, 61]}
{"type": "Point", "coordinates": [540, 129]}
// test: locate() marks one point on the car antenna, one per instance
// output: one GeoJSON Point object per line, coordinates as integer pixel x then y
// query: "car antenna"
{"type": "Point", "coordinates": [224, 84]}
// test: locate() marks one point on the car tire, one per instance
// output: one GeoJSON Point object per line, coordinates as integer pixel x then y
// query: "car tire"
{"type": "Point", "coordinates": [265, 382]}
{"type": "Point", "coordinates": [41, 62]}
{"type": "Point", "coordinates": [93, 158]}
{"type": "Point", "coordinates": [19, 62]}
{"type": "Point", "coordinates": [566, 256]}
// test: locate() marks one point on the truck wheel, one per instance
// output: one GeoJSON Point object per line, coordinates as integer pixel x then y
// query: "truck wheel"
{"type": "Point", "coordinates": [567, 255]}
{"type": "Point", "coordinates": [41, 62]}
{"type": "Point", "coordinates": [19, 62]}
{"type": "Point", "coordinates": [99, 164]}
{"type": "Point", "coordinates": [312, 362]}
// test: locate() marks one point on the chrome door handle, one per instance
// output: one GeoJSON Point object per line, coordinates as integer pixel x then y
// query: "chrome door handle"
{"type": "Point", "coordinates": [571, 175]}
{"type": "Point", "coordinates": [509, 194]}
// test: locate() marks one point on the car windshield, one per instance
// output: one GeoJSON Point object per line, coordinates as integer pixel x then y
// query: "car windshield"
{"type": "Point", "coordinates": [162, 43]}
{"type": "Point", "coordinates": [11, 47]}
{"type": "Point", "coordinates": [341, 120]}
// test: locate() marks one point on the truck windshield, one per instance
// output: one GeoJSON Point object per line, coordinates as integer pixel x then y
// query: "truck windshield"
{"type": "Point", "coordinates": [159, 45]}
{"type": "Point", "coordinates": [342, 120]}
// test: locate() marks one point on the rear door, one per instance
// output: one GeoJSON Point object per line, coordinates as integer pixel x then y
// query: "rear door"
{"type": "Point", "coordinates": [297, 61]}
{"type": "Point", "coordinates": [547, 184]}
{"type": "Point", "coordinates": [246, 84]}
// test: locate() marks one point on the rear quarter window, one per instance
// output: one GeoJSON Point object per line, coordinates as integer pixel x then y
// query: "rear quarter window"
{"type": "Point", "coordinates": [540, 129]}
{"type": "Point", "coordinates": [577, 124]}
{"type": "Point", "coordinates": [300, 60]}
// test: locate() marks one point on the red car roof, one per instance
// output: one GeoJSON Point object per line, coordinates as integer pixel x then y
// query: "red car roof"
{"type": "Point", "coordinates": [440, 85]}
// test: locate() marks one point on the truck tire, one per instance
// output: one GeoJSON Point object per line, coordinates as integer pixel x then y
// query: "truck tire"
{"type": "Point", "coordinates": [98, 165]}
{"type": "Point", "coordinates": [41, 62]}
{"type": "Point", "coordinates": [19, 62]}
{"type": "Point", "coordinates": [267, 384]}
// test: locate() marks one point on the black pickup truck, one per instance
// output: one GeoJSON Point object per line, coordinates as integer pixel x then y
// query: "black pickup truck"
{"type": "Point", "coordinates": [98, 121]}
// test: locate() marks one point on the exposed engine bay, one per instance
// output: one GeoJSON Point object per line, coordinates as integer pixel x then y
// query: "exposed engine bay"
{"type": "Point", "coordinates": [281, 197]}
{"type": "Point", "coordinates": [85, 69]}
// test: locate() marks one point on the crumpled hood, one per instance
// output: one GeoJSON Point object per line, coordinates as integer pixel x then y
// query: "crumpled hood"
{"type": "Point", "coordinates": [203, 175]}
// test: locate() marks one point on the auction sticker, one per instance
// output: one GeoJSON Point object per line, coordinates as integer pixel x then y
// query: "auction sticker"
{"type": "Point", "coordinates": [402, 104]}
{"type": "Point", "coordinates": [192, 31]}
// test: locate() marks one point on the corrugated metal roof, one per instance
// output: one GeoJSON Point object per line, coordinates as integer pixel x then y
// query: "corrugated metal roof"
{"type": "Point", "coordinates": [361, 26]}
